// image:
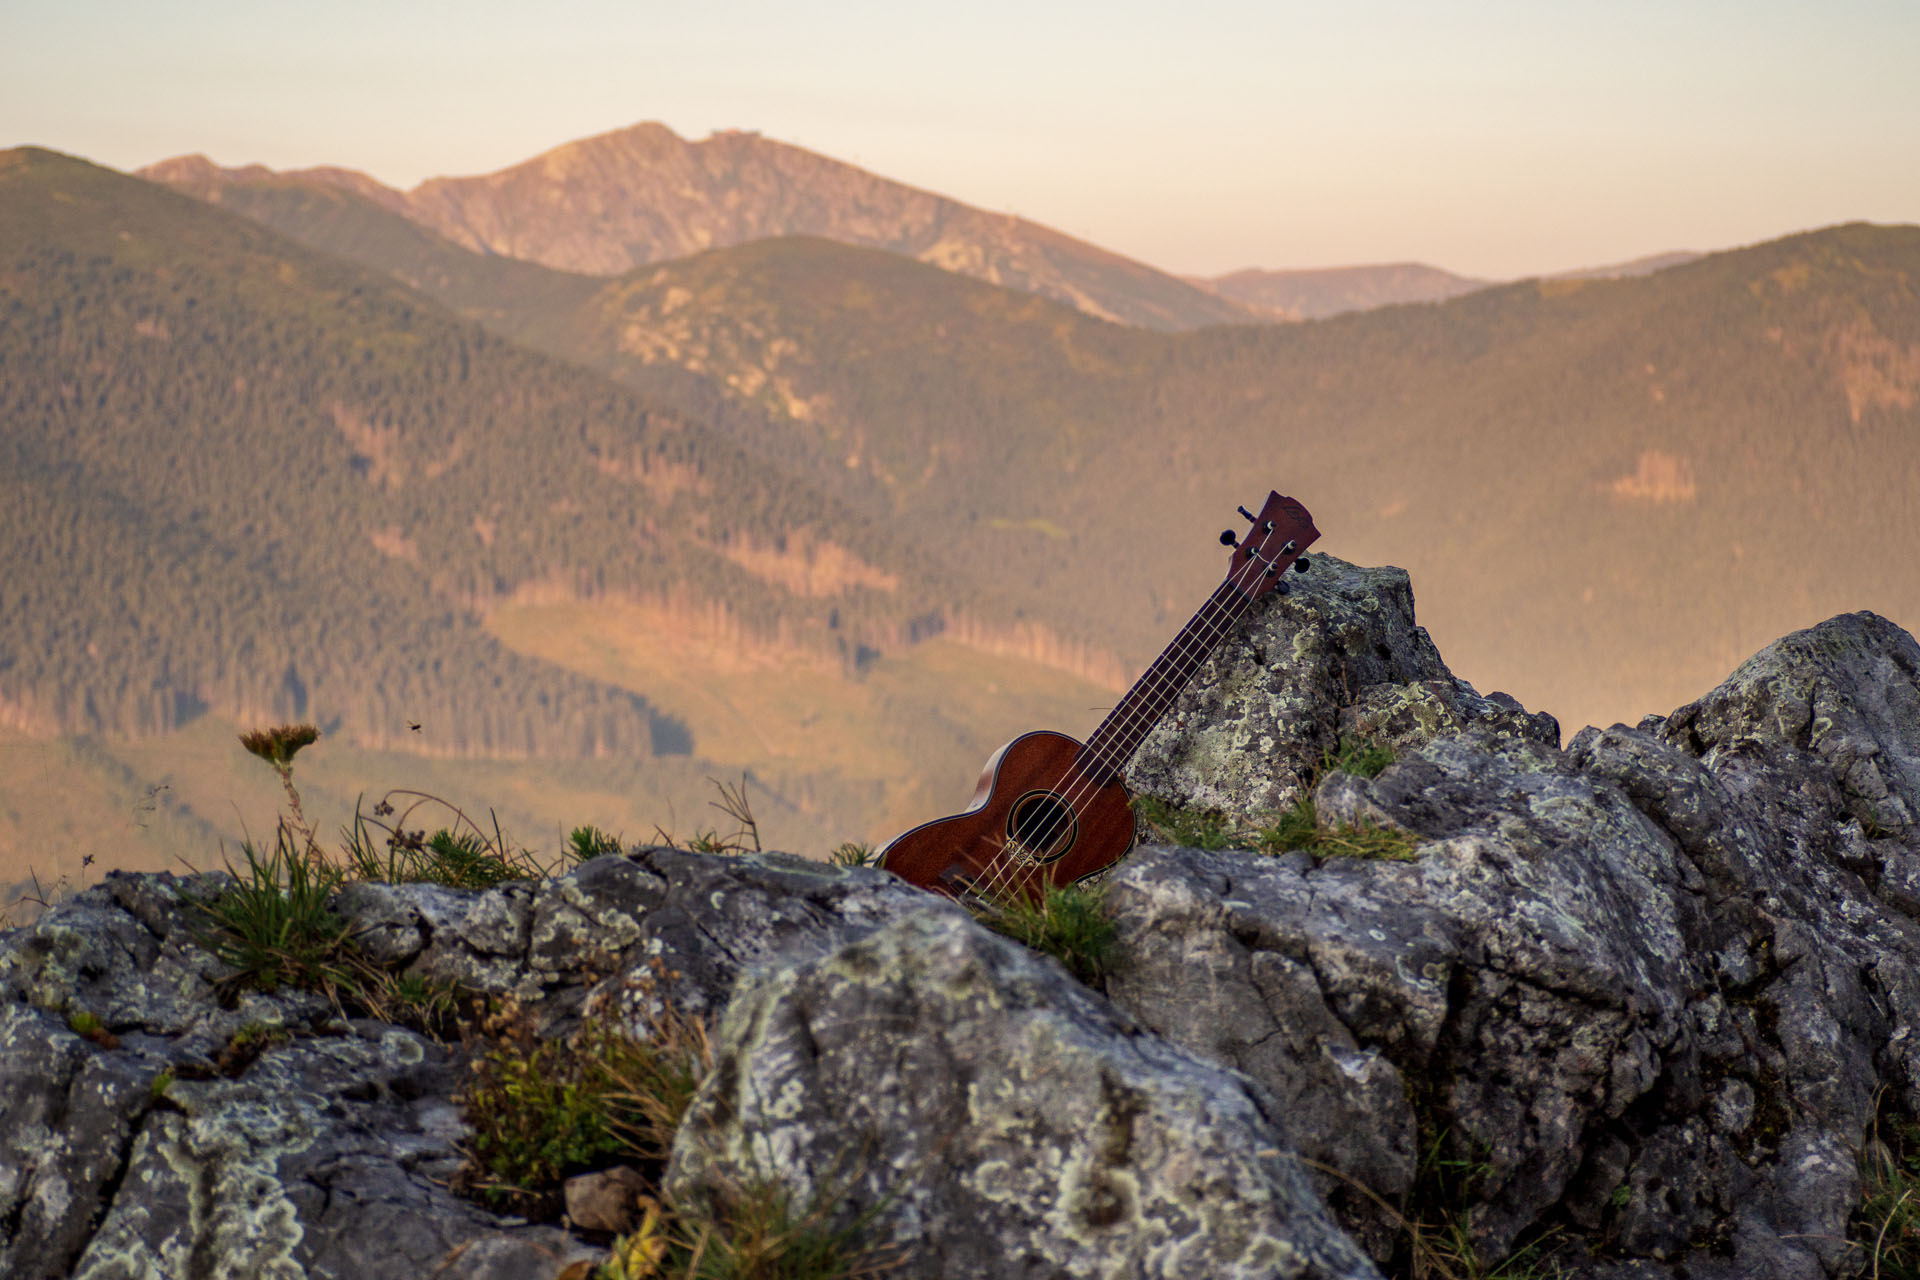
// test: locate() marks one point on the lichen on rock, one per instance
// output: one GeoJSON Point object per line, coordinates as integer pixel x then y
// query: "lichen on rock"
{"type": "Point", "coordinates": [992, 1117]}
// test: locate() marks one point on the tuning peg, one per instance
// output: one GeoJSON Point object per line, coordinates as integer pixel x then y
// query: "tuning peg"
{"type": "Point", "coordinates": [1227, 539]}
{"type": "Point", "coordinates": [1301, 565]}
{"type": "Point", "coordinates": [1248, 514]}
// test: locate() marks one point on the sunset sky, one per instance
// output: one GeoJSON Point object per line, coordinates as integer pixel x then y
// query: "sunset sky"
{"type": "Point", "coordinates": [1495, 139]}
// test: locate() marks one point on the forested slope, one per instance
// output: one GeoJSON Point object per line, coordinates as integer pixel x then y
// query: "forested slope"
{"type": "Point", "coordinates": [1609, 491]}
{"type": "Point", "coordinates": [243, 475]}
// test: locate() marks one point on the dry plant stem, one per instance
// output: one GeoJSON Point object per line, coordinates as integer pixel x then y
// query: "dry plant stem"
{"type": "Point", "coordinates": [1423, 1252]}
{"type": "Point", "coordinates": [1879, 1241]}
{"type": "Point", "coordinates": [733, 803]}
{"type": "Point", "coordinates": [299, 824]}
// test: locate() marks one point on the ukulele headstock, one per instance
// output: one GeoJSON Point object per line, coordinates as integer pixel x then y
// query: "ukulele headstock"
{"type": "Point", "coordinates": [1278, 540]}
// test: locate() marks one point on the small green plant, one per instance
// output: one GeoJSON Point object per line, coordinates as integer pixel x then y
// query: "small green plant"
{"type": "Point", "coordinates": [853, 854]}
{"type": "Point", "coordinates": [460, 856]}
{"type": "Point", "coordinates": [274, 927]}
{"type": "Point", "coordinates": [590, 842]}
{"type": "Point", "coordinates": [1066, 922]}
{"type": "Point", "coordinates": [1189, 827]}
{"type": "Point", "coordinates": [542, 1108]}
{"type": "Point", "coordinates": [1886, 1225]}
{"type": "Point", "coordinates": [158, 1088]}
{"type": "Point", "coordinates": [537, 1107]}
{"type": "Point", "coordinates": [1360, 758]}
{"type": "Point", "coordinates": [89, 1027]}
{"type": "Point", "coordinates": [246, 1046]}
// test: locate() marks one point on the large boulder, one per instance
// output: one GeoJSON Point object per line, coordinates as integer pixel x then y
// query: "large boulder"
{"type": "Point", "coordinates": [155, 1122]}
{"type": "Point", "coordinates": [993, 1118]}
{"type": "Point", "coordinates": [1645, 994]}
{"type": "Point", "coordinates": [1647, 989]}
{"type": "Point", "coordinates": [152, 1125]}
{"type": "Point", "coordinates": [1338, 658]}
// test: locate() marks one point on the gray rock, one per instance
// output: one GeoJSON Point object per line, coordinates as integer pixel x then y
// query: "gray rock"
{"type": "Point", "coordinates": [694, 919]}
{"type": "Point", "coordinates": [607, 1200]}
{"type": "Point", "coordinates": [1338, 657]}
{"type": "Point", "coordinates": [1504, 991]}
{"type": "Point", "coordinates": [1647, 990]}
{"type": "Point", "coordinates": [1648, 987]}
{"type": "Point", "coordinates": [994, 1118]}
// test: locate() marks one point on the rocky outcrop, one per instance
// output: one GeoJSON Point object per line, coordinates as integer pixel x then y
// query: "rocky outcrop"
{"type": "Point", "coordinates": [1646, 989]}
{"type": "Point", "coordinates": [1637, 1000]}
{"type": "Point", "coordinates": [149, 1126]}
{"type": "Point", "coordinates": [1337, 658]}
{"type": "Point", "coordinates": [994, 1118]}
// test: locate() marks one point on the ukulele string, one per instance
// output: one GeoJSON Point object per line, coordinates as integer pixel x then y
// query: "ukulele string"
{"type": "Point", "coordinates": [1192, 643]}
{"type": "Point", "coordinates": [1007, 873]}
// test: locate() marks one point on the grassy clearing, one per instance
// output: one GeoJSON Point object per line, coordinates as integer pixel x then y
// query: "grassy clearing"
{"type": "Point", "coordinates": [902, 738]}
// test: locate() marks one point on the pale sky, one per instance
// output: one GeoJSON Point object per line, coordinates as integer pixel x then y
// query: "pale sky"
{"type": "Point", "coordinates": [1490, 138]}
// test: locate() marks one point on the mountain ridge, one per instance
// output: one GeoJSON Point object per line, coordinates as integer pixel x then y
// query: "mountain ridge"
{"type": "Point", "coordinates": [623, 199]}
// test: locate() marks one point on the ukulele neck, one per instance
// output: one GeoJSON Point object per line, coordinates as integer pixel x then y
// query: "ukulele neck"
{"type": "Point", "coordinates": [1127, 725]}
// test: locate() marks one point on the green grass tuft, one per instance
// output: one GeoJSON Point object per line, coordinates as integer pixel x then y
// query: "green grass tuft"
{"type": "Point", "coordinates": [1886, 1224]}
{"type": "Point", "coordinates": [543, 1108]}
{"type": "Point", "coordinates": [1189, 827]}
{"type": "Point", "coordinates": [1068, 923]}
{"type": "Point", "coordinates": [1362, 759]}
{"type": "Point", "coordinates": [274, 927]}
{"type": "Point", "coordinates": [853, 854]}
{"type": "Point", "coordinates": [1300, 828]}
{"type": "Point", "coordinates": [460, 856]}
{"type": "Point", "coordinates": [590, 842]}
{"type": "Point", "coordinates": [1297, 828]}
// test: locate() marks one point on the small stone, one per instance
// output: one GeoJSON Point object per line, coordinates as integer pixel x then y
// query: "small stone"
{"type": "Point", "coordinates": [610, 1200]}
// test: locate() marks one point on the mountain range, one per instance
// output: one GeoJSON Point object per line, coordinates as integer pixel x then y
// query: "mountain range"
{"type": "Point", "coordinates": [606, 204]}
{"type": "Point", "coordinates": [839, 516]}
{"type": "Point", "coordinates": [1511, 444]}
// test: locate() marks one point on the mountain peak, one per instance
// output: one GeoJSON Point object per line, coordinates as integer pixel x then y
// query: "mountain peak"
{"type": "Point", "coordinates": [606, 204]}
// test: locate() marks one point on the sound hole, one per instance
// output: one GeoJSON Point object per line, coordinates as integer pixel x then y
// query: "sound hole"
{"type": "Point", "coordinates": [1041, 825]}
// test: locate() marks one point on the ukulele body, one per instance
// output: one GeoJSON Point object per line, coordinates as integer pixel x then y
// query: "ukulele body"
{"type": "Point", "coordinates": [1038, 817]}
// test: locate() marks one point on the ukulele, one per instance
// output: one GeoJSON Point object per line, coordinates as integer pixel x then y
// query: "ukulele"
{"type": "Point", "coordinates": [1049, 810]}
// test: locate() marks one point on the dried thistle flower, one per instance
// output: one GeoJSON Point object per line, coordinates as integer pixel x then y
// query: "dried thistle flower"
{"type": "Point", "coordinates": [278, 745]}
